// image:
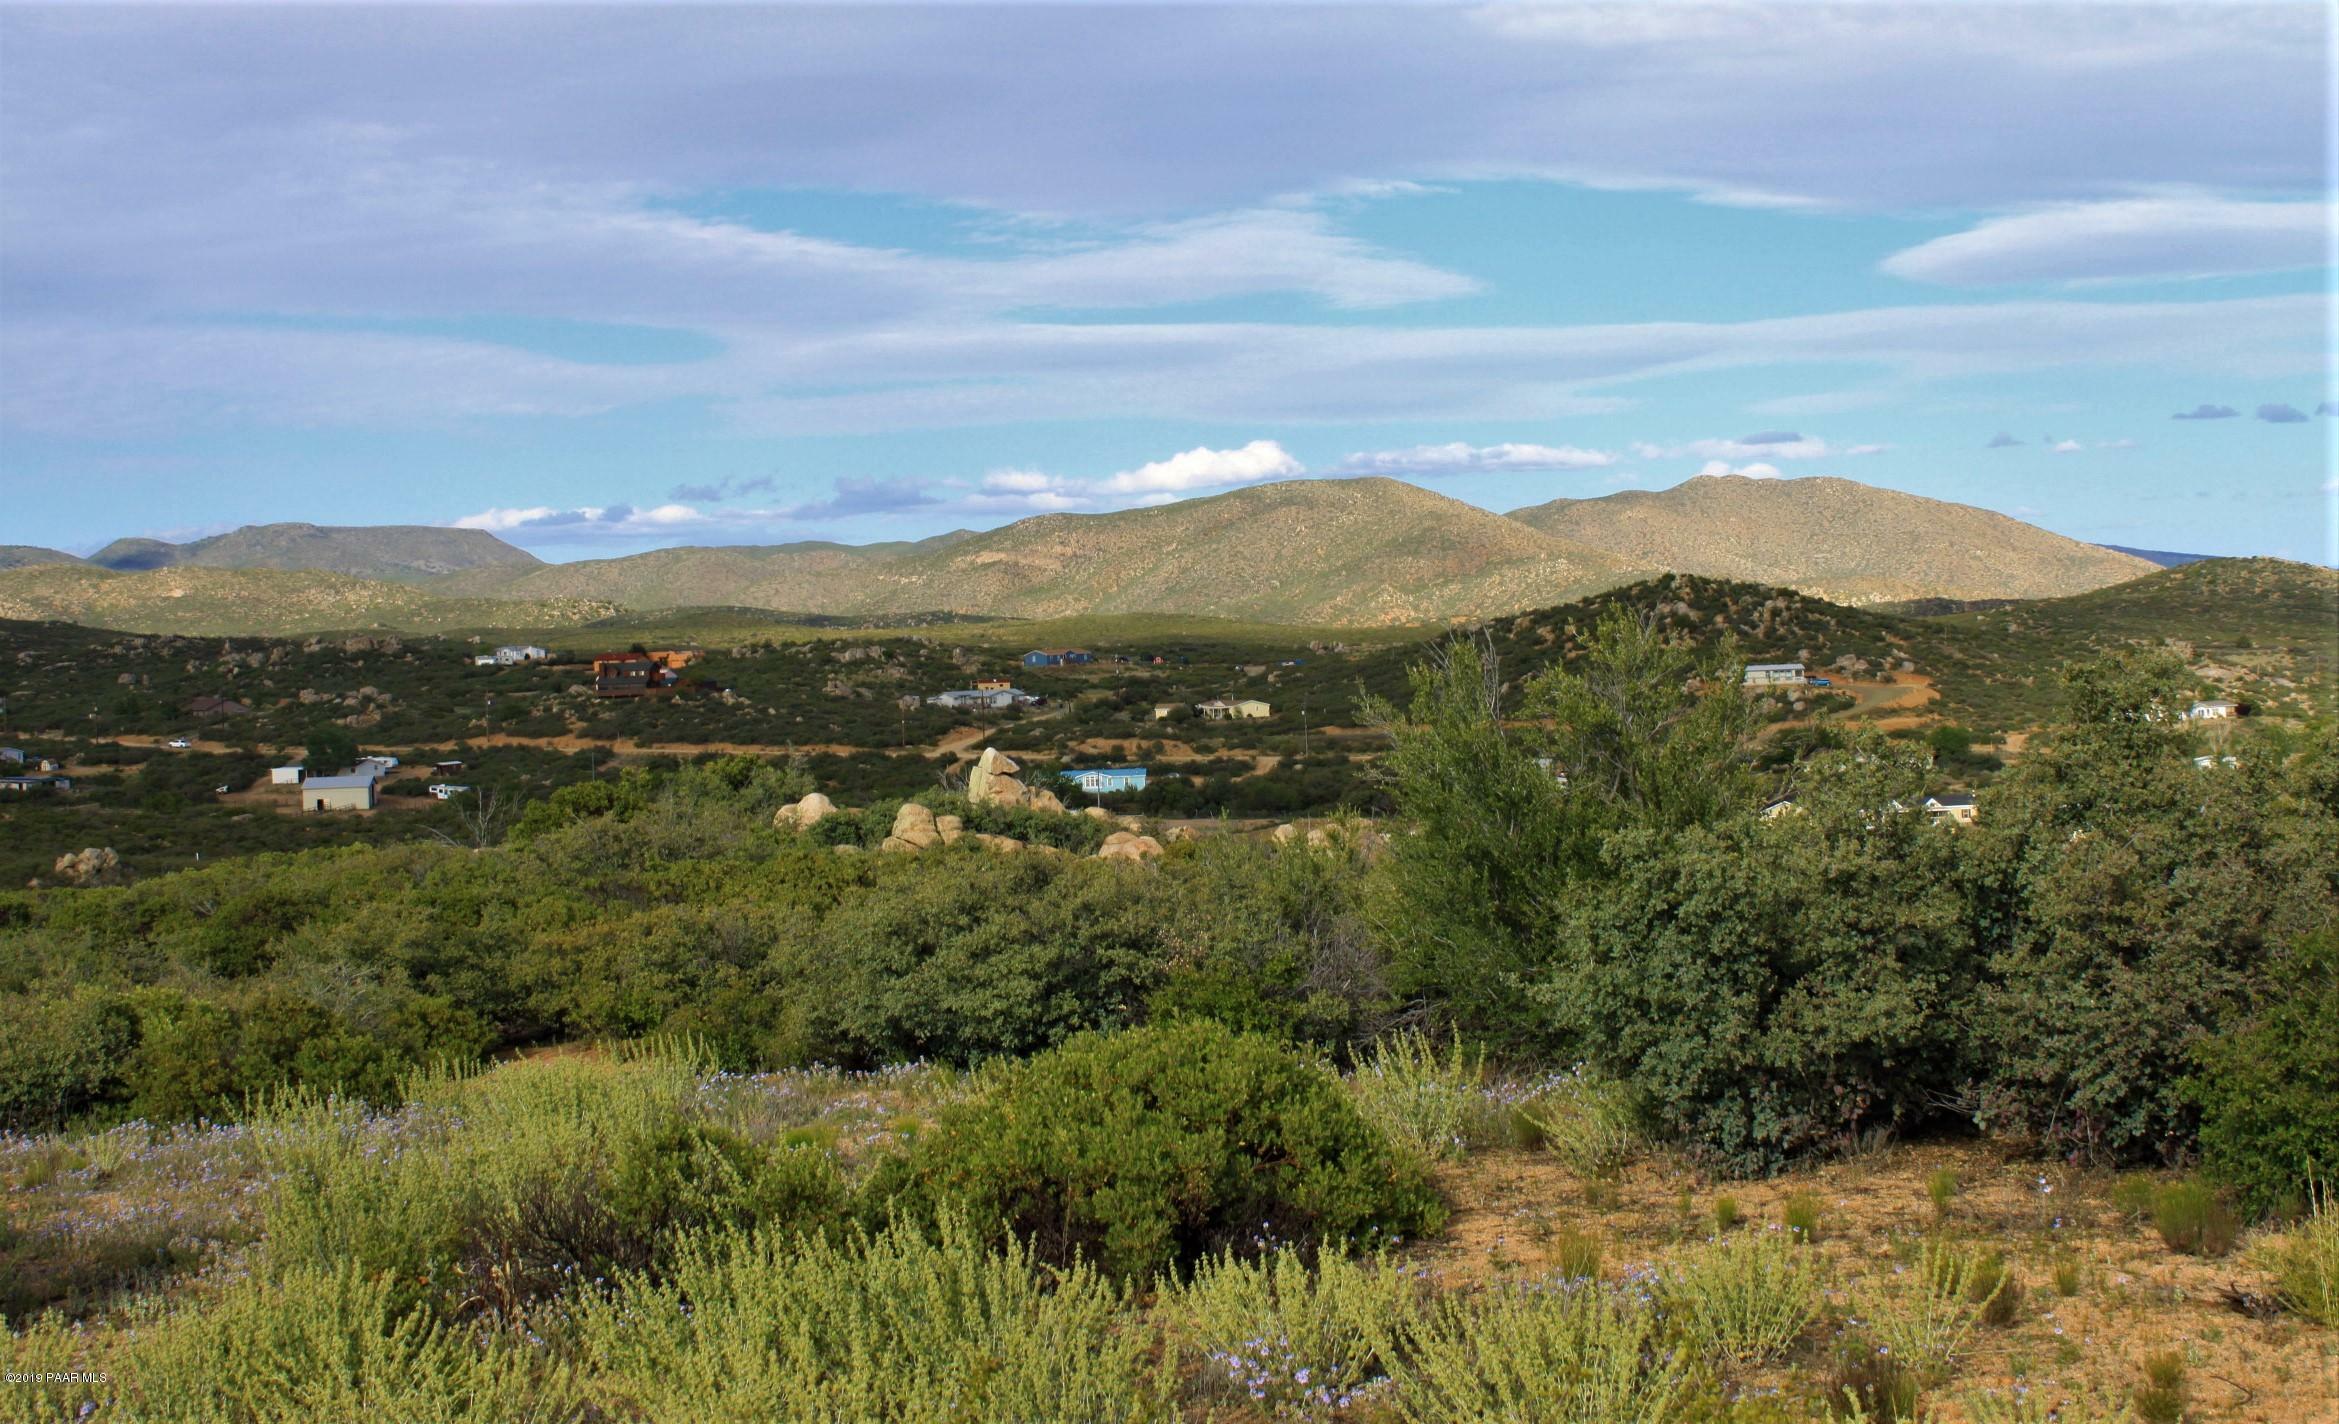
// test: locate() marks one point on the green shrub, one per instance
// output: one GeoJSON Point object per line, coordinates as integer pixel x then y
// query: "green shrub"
{"type": "Point", "coordinates": [1159, 1146]}
{"type": "Point", "coordinates": [2161, 1396]}
{"type": "Point", "coordinates": [1299, 1341]}
{"type": "Point", "coordinates": [1813, 952]}
{"type": "Point", "coordinates": [1273, 941]}
{"type": "Point", "coordinates": [1746, 1300]}
{"type": "Point", "coordinates": [493, 1192]}
{"type": "Point", "coordinates": [1801, 1216]}
{"type": "Point", "coordinates": [1872, 1385]}
{"type": "Point", "coordinates": [62, 1054]}
{"type": "Point", "coordinates": [2135, 908]}
{"type": "Point", "coordinates": [330, 1344]}
{"type": "Point", "coordinates": [1575, 1255]}
{"type": "Point", "coordinates": [2307, 1264]}
{"type": "Point", "coordinates": [2039, 1406]}
{"type": "Point", "coordinates": [1994, 1288]}
{"type": "Point", "coordinates": [1924, 1318]}
{"type": "Point", "coordinates": [2132, 1196]}
{"type": "Point", "coordinates": [1725, 1214]}
{"type": "Point", "coordinates": [1941, 1189]}
{"type": "Point", "coordinates": [769, 1328]}
{"type": "Point", "coordinates": [963, 957]}
{"type": "Point", "coordinates": [2269, 1092]}
{"type": "Point", "coordinates": [1424, 1099]}
{"type": "Point", "coordinates": [1587, 1122]}
{"type": "Point", "coordinates": [2192, 1218]}
{"type": "Point", "coordinates": [1583, 1356]}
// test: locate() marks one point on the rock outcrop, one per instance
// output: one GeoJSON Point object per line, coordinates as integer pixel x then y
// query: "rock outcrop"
{"type": "Point", "coordinates": [1128, 845]}
{"type": "Point", "coordinates": [992, 780]}
{"type": "Point", "coordinates": [805, 813]}
{"type": "Point", "coordinates": [914, 829]}
{"type": "Point", "coordinates": [95, 865]}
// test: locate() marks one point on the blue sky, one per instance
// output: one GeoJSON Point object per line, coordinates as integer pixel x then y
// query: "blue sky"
{"type": "Point", "coordinates": [608, 279]}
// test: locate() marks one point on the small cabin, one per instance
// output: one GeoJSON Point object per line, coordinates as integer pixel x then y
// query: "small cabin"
{"type": "Point", "coordinates": [623, 675]}
{"type": "Point", "coordinates": [1955, 807]}
{"type": "Point", "coordinates": [1774, 675]}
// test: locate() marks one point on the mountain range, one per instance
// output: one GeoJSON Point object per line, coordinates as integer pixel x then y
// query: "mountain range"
{"type": "Point", "coordinates": [1355, 552]}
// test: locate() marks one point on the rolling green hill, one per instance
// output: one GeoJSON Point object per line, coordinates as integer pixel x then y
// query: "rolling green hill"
{"type": "Point", "coordinates": [386, 551]}
{"type": "Point", "coordinates": [18, 556]}
{"type": "Point", "coordinates": [2264, 630]}
{"type": "Point", "coordinates": [262, 601]}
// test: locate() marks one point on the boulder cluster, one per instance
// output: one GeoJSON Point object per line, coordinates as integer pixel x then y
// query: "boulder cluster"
{"type": "Point", "coordinates": [993, 782]}
{"type": "Point", "coordinates": [805, 813]}
{"type": "Point", "coordinates": [917, 828]}
{"type": "Point", "coordinates": [1364, 840]}
{"type": "Point", "coordinates": [96, 865]}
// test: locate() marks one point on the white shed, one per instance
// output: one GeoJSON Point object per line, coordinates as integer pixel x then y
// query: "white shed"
{"type": "Point", "coordinates": [284, 775]}
{"type": "Point", "coordinates": [354, 792]}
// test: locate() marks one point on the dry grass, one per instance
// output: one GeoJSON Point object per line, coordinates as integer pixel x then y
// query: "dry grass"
{"type": "Point", "coordinates": [1516, 1212]}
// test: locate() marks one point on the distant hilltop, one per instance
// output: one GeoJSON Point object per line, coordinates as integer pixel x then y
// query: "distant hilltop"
{"type": "Point", "coordinates": [1370, 551]}
{"type": "Point", "coordinates": [1836, 539]}
{"type": "Point", "coordinates": [402, 552]}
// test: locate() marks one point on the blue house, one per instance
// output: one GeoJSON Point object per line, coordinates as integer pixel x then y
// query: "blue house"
{"type": "Point", "coordinates": [1105, 780]}
{"type": "Point", "coordinates": [1057, 657]}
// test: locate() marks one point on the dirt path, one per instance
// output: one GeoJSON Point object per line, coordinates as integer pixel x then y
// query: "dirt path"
{"type": "Point", "coordinates": [1886, 706]}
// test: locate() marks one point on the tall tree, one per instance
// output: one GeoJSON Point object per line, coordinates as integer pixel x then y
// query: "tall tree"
{"type": "Point", "coordinates": [1652, 726]}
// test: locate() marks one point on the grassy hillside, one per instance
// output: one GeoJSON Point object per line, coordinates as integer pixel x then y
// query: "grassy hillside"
{"type": "Point", "coordinates": [1834, 539]}
{"type": "Point", "coordinates": [260, 601]}
{"type": "Point", "coordinates": [1352, 552]}
{"type": "Point", "coordinates": [1357, 552]}
{"type": "Point", "coordinates": [17, 556]}
{"type": "Point", "coordinates": [2262, 629]}
{"type": "Point", "coordinates": [774, 576]}
{"type": "Point", "coordinates": [387, 551]}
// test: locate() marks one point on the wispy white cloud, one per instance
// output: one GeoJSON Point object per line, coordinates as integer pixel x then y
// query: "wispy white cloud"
{"type": "Point", "coordinates": [612, 521]}
{"type": "Point", "coordinates": [721, 490]}
{"type": "Point", "coordinates": [1769, 445]}
{"type": "Point", "coordinates": [1459, 457]}
{"type": "Point", "coordinates": [1755, 471]}
{"type": "Point", "coordinates": [69, 377]}
{"type": "Point", "coordinates": [2133, 239]}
